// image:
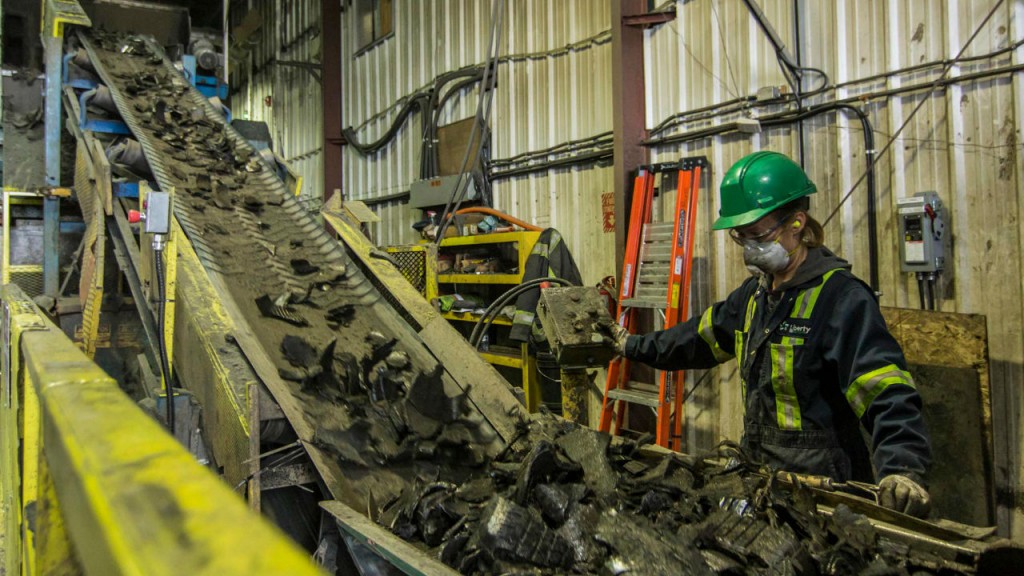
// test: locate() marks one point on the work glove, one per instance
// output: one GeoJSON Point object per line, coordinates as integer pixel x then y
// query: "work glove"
{"type": "Point", "coordinates": [616, 336]}
{"type": "Point", "coordinates": [902, 494]}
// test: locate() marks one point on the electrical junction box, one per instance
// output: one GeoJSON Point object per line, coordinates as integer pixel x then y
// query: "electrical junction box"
{"type": "Point", "coordinates": [437, 191]}
{"type": "Point", "coordinates": [922, 233]}
{"type": "Point", "coordinates": [158, 212]}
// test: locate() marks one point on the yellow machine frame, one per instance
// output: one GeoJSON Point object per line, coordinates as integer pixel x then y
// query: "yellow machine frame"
{"type": "Point", "coordinates": [80, 492]}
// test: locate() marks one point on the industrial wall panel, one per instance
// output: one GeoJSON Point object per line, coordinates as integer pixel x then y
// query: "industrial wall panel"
{"type": "Point", "coordinates": [963, 143]}
{"type": "Point", "coordinates": [267, 85]}
{"type": "Point", "coordinates": [555, 62]}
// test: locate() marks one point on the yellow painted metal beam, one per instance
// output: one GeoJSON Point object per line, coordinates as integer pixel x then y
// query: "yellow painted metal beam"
{"type": "Point", "coordinates": [212, 366]}
{"type": "Point", "coordinates": [57, 13]}
{"type": "Point", "coordinates": [132, 499]}
{"type": "Point", "coordinates": [409, 298]}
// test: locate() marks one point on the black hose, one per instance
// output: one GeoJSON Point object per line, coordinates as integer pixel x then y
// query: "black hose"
{"type": "Point", "coordinates": [483, 116]}
{"type": "Point", "coordinates": [165, 366]}
{"type": "Point", "coordinates": [872, 199]}
{"type": "Point", "coordinates": [931, 293]}
{"type": "Point", "coordinates": [588, 157]}
{"type": "Point", "coordinates": [492, 311]}
{"type": "Point", "coordinates": [597, 140]}
{"type": "Point", "coordinates": [921, 290]}
{"type": "Point", "coordinates": [352, 138]}
{"type": "Point", "coordinates": [437, 106]}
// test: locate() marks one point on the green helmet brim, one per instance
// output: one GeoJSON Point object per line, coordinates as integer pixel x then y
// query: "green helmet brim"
{"type": "Point", "coordinates": [739, 220]}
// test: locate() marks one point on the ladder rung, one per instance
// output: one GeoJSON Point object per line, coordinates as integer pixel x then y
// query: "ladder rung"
{"type": "Point", "coordinates": [646, 303]}
{"type": "Point", "coordinates": [661, 227]}
{"type": "Point", "coordinates": [659, 236]}
{"type": "Point", "coordinates": [635, 397]}
{"type": "Point", "coordinates": [658, 252]}
{"type": "Point", "coordinates": [658, 273]}
{"type": "Point", "coordinates": [649, 291]}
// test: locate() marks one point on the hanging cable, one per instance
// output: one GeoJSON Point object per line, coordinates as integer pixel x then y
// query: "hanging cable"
{"type": "Point", "coordinates": [161, 304]}
{"type": "Point", "coordinates": [494, 309]}
{"type": "Point", "coordinates": [921, 290]}
{"type": "Point", "coordinates": [938, 81]}
{"type": "Point", "coordinates": [792, 70]}
{"type": "Point", "coordinates": [483, 115]}
{"type": "Point", "coordinates": [416, 102]}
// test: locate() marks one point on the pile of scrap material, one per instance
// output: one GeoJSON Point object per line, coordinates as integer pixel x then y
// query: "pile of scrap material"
{"type": "Point", "coordinates": [564, 499]}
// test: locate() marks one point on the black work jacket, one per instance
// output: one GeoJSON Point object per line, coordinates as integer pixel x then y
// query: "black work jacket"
{"type": "Point", "coordinates": [550, 258]}
{"type": "Point", "coordinates": [816, 362]}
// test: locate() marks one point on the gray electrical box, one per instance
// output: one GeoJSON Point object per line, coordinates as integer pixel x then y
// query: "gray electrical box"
{"type": "Point", "coordinates": [158, 212]}
{"type": "Point", "coordinates": [922, 233]}
{"type": "Point", "coordinates": [437, 191]}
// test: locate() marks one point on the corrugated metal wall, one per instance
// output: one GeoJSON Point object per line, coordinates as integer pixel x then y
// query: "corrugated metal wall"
{"type": "Point", "coordinates": [286, 97]}
{"type": "Point", "coordinates": [964, 143]}
{"type": "Point", "coordinates": [542, 100]}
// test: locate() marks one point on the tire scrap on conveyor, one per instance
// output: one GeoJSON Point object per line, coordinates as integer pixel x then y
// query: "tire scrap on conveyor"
{"type": "Point", "coordinates": [555, 499]}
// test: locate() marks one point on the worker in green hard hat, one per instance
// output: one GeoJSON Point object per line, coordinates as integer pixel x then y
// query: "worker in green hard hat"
{"type": "Point", "coordinates": [815, 357]}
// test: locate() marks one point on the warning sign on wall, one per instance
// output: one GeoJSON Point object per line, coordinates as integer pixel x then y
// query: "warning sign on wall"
{"type": "Point", "coordinates": [608, 211]}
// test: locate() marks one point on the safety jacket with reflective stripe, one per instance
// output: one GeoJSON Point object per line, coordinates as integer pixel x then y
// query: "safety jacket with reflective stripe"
{"type": "Point", "coordinates": [816, 362]}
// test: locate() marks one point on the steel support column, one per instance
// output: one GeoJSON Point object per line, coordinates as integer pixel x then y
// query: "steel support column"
{"type": "Point", "coordinates": [627, 107]}
{"type": "Point", "coordinates": [330, 60]}
{"type": "Point", "coordinates": [51, 206]}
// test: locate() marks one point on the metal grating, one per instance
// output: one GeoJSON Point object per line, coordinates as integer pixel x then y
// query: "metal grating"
{"type": "Point", "coordinates": [29, 279]}
{"type": "Point", "coordinates": [412, 263]}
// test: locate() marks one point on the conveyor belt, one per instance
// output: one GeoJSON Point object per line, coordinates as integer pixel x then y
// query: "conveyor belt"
{"type": "Point", "coordinates": [256, 242]}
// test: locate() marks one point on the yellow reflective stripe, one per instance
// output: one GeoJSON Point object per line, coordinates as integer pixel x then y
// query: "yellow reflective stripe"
{"type": "Point", "coordinates": [739, 354]}
{"type": "Point", "coordinates": [524, 318]}
{"type": "Point", "coordinates": [798, 305]}
{"type": "Point", "coordinates": [868, 386]}
{"type": "Point", "coordinates": [556, 239]}
{"type": "Point", "coordinates": [740, 335]}
{"type": "Point", "coordinates": [544, 249]}
{"type": "Point", "coordinates": [751, 306]}
{"type": "Point", "coordinates": [707, 332]}
{"type": "Point", "coordinates": [805, 302]}
{"type": "Point", "coordinates": [787, 407]}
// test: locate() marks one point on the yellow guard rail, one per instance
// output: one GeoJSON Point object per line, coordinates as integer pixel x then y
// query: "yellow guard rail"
{"type": "Point", "coordinates": [90, 483]}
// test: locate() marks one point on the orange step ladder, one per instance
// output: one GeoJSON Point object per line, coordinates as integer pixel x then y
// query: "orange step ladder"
{"type": "Point", "coordinates": [656, 274]}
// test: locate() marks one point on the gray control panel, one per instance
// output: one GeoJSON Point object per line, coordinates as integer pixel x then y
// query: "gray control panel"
{"type": "Point", "coordinates": [922, 233]}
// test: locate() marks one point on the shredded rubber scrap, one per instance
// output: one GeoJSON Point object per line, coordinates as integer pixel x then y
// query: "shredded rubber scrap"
{"type": "Point", "coordinates": [562, 499]}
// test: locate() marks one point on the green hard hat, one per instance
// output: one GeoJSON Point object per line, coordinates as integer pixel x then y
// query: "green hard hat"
{"type": "Point", "coordinates": [758, 184]}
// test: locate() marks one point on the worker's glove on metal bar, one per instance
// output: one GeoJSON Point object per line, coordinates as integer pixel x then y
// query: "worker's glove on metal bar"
{"type": "Point", "coordinates": [616, 336]}
{"type": "Point", "coordinates": [902, 494]}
